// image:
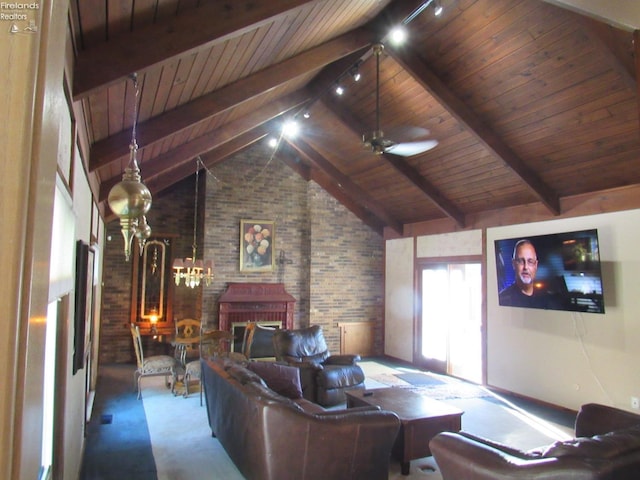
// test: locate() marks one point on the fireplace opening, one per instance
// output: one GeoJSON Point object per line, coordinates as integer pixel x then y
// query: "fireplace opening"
{"type": "Point", "coordinates": [261, 346]}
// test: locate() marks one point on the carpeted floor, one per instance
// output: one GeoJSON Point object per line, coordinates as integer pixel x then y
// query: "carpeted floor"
{"type": "Point", "coordinates": [168, 438]}
{"type": "Point", "coordinates": [118, 445]}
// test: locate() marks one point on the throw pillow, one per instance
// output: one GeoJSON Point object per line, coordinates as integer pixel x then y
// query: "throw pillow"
{"type": "Point", "coordinates": [281, 379]}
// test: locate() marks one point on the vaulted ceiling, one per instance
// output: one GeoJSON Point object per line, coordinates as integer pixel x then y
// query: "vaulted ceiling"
{"type": "Point", "coordinates": [529, 102]}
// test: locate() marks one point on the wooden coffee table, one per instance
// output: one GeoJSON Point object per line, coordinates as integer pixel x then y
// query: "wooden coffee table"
{"type": "Point", "coordinates": [421, 419]}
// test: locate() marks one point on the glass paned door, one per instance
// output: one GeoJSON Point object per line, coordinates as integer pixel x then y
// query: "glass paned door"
{"type": "Point", "coordinates": [451, 319]}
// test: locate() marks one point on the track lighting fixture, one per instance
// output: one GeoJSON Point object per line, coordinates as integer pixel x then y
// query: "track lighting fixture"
{"type": "Point", "coordinates": [290, 128]}
{"type": "Point", "coordinates": [398, 36]}
{"type": "Point", "coordinates": [355, 72]}
{"type": "Point", "coordinates": [437, 8]}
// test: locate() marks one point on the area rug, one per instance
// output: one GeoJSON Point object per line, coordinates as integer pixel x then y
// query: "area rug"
{"type": "Point", "coordinates": [438, 387]}
{"type": "Point", "coordinates": [418, 378]}
{"type": "Point", "coordinates": [386, 379]}
{"type": "Point", "coordinates": [448, 391]}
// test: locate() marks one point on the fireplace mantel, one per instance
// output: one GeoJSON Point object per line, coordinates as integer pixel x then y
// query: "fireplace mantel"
{"type": "Point", "coordinates": [255, 302]}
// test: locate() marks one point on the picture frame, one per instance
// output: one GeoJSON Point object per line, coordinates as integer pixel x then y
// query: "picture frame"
{"type": "Point", "coordinates": [257, 245]}
{"type": "Point", "coordinates": [83, 318]}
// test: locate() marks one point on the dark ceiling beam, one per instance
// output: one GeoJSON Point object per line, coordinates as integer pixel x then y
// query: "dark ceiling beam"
{"type": "Point", "coordinates": [394, 15]}
{"type": "Point", "coordinates": [411, 174]}
{"type": "Point", "coordinates": [401, 165]}
{"type": "Point", "coordinates": [194, 29]}
{"type": "Point", "coordinates": [116, 147]}
{"type": "Point", "coordinates": [211, 158]}
{"type": "Point", "coordinates": [323, 83]}
{"type": "Point", "coordinates": [165, 165]}
{"type": "Point", "coordinates": [292, 160]}
{"type": "Point", "coordinates": [463, 114]}
{"type": "Point", "coordinates": [213, 139]}
{"type": "Point", "coordinates": [346, 184]}
{"type": "Point", "coordinates": [600, 37]}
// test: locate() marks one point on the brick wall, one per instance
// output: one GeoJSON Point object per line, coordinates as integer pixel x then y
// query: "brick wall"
{"type": "Point", "coordinates": [347, 277]}
{"type": "Point", "coordinates": [333, 263]}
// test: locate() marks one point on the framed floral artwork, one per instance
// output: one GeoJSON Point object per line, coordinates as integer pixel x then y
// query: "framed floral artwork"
{"type": "Point", "coordinates": [257, 245]}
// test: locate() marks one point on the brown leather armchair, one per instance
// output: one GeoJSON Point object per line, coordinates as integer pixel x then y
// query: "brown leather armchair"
{"type": "Point", "coordinates": [324, 377]}
{"type": "Point", "coordinates": [607, 446]}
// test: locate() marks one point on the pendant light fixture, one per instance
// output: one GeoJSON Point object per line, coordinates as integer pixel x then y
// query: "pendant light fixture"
{"type": "Point", "coordinates": [193, 271]}
{"type": "Point", "coordinates": [130, 199]}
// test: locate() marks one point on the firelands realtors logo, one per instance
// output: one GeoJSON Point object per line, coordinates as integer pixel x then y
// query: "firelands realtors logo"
{"type": "Point", "coordinates": [21, 16]}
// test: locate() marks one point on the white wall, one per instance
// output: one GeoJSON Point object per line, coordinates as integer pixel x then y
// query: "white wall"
{"type": "Point", "coordinates": [563, 358]}
{"type": "Point", "coordinates": [398, 301]}
{"type": "Point", "coordinates": [449, 244]}
{"type": "Point", "coordinates": [569, 358]}
{"type": "Point", "coordinates": [622, 13]}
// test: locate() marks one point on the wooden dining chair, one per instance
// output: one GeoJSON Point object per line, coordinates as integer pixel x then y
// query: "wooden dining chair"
{"type": "Point", "coordinates": [154, 365]}
{"type": "Point", "coordinates": [212, 344]}
{"type": "Point", "coordinates": [187, 339]}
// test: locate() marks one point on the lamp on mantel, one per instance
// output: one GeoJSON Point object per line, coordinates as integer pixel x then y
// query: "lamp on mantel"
{"type": "Point", "coordinates": [192, 270]}
{"type": "Point", "coordinates": [130, 199]}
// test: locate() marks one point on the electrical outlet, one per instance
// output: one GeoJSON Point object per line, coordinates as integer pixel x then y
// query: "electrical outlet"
{"type": "Point", "coordinates": [635, 403]}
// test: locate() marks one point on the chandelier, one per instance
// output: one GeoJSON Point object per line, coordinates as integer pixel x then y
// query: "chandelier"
{"type": "Point", "coordinates": [190, 269]}
{"type": "Point", "coordinates": [130, 199]}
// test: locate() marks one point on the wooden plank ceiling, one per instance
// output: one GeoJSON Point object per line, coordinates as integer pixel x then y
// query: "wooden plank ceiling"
{"type": "Point", "coordinates": [529, 102]}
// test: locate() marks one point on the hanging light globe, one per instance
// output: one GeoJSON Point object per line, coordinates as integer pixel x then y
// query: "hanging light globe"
{"type": "Point", "coordinates": [130, 199]}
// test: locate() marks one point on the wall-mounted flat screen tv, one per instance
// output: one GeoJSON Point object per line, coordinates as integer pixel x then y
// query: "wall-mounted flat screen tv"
{"type": "Point", "coordinates": [559, 271]}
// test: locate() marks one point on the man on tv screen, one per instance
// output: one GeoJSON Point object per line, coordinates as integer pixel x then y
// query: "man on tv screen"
{"type": "Point", "coordinates": [523, 292]}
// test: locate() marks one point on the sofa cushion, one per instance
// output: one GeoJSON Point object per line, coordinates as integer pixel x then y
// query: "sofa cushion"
{"type": "Point", "coordinates": [302, 345]}
{"type": "Point", "coordinates": [605, 446]}
{"type": "Point", "coordinates": [243, 375]}
{"type": "Point", "coordinates": [282, 379]}
{"type": "Point", "coordinates": [272, 396]}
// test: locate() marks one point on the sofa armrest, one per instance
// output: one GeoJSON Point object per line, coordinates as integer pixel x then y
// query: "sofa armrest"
{"type": "Point", "coordinates": [463, 457]}
{"type": "Point", "coordinates": [596, 419]}
{"type": "Point", "coordinates": [364, 408]}
{"type": "Point", "coordinates": [333, 445]}
{"type": "Point", "coordinates": [346, 359]}
{"type": "Point", "coordinates": [506, 449]}
{"type": "Point", "coordinates": [294, 362]}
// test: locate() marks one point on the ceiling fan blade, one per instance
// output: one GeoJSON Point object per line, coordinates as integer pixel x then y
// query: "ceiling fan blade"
{"type": "Point", "coordinates": [409, 149]}
{"type": "Point", "coordinates": [405, 133]}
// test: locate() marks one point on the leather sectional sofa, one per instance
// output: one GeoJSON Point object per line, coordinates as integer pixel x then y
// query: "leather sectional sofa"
{"type": "Point", "coordinates": [607, 446]}
{"type": "Point", "coordinates": [271, 432]}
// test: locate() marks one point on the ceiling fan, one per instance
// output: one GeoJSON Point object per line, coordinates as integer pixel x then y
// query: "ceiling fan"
{"type": "Point", "coordinates": [376, 140]}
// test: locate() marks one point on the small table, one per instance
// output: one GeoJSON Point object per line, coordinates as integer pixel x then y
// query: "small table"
{"type": "Point", "coordinates": [421, 419]}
